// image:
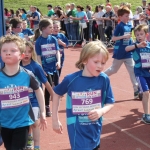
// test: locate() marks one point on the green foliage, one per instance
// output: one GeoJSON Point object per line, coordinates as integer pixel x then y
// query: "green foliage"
{"type": "Point", "coordinates": [42, 4]}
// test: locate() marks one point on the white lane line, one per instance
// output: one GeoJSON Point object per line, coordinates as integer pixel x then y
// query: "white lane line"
{"type": "Point", "coordinates": [129, 134]}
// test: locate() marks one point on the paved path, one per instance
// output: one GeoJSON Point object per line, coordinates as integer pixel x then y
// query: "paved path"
{"type": "Point", "coordinates": [121, 128]}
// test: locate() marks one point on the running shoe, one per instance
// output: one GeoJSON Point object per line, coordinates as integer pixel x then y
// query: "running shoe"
{"type": "Point", "coordinates": [48, 112]}
{"type": "Point", "coordinates": [146, 118]}
{"type": "Point", "coordinates": [30, 142]}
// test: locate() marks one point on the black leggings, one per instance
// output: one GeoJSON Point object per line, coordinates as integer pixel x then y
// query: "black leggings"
{"type": "Point", "coordinates": [51, 79]}
{"type": "Point", "coordinates": [15, 139]}
{"type": "Point", "coordinates": [97, 148]}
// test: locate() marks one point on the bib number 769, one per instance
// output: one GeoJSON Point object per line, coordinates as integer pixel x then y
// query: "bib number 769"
{"type": "Point", "coordinates": [87, 101]}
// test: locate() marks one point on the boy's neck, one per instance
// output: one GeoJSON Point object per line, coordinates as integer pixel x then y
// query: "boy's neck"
{"type": "Point", "coordinates": [124, 22]}
{"type": "Point", "coordinates": [11, 70]}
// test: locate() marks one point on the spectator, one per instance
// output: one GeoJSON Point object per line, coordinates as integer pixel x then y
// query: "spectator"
{"type": "Point", "coordinates": [29, 12]}
{"type": "Point", "coordinates": [50, 10]}
{"type": "Point", "coordinates": [89, 24]}
{"type": "Point", "coordinates": [108, 22]}
{"type": "Point", "coordinates": [35, 17]}
{"type": "Point", "coordinates": [82, 18]}
{"type": "Point", "coordinates": [74, 24]}
{"type": "Point", "coordinates": [12, 13]}
{"type": "Point", "coordinates": [24, 14]}
{"type": "Point", "coordinates": [95, 25]}
{"type": "Point", "coordinates": [100, 20]}
{"type": "Point", "coordinates": [66, 20]}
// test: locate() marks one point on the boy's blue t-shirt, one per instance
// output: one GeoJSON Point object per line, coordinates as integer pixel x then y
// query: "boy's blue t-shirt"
{"type": "Point", "coordinates": [14, 98]}
{"type": "Point", "coordinates": [36, 14]}
{"type": "Point", "coordinates": [119, 48]}
{"type": "Point", "coordinates": [27, 31]}
{"type": "Point", "coordinates": [64, 39]}
{"type": "Point", "coordinates": [84, 93]}
{"type": "Point", "coordinates": [37, 70]}
{"type": "Point", "coordinates": [141, 57]}
{"type": "Point", "coordinates": [47, 48]}
{"type": "Point", "coordinates": [21, 35]}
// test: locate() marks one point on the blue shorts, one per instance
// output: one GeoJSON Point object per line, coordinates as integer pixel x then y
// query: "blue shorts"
{"type": "Point", "coordinates": [144, 83]}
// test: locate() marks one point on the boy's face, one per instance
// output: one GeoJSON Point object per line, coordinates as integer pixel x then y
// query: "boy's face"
{"type": "Point", "coordinates": [56, 29]}
{"type": "Point", "coordinates": [140, 35]}
{"type": "Point", "coordinates": [18, 29]}
{"type": "Point", "coordinates": [24, 24]}
{"type": "Point", "coordinates": [94, 65]}
{"type": "Point", "coordinates": [124, 18]}
{"type": "Point", "coordinates": [10, 54]}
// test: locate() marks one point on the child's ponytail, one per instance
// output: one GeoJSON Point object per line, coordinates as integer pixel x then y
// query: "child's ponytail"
{"type": "Point", "coordinates": [37, 33]}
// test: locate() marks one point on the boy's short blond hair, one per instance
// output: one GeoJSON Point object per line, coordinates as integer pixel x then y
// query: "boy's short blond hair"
{"type": "Point", "coordinates": [13, 39]}
{"type": "Point", "coordinates": [141, 27]}
{"type": "Point", "coordinates": [90, 50]}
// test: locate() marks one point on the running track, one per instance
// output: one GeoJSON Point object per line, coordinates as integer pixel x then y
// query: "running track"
{"type": "Point", "coordinates": [122, 129]}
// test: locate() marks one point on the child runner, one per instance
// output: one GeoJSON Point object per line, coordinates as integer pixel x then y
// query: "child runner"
{"type": "Point", "coordinates": [62, 41]}
{"type": "Point", "coordinates": [122, 36]}
{"type": "Point", "coordinates": [29, 62]}
{"type": "Point", "coordinates": [48, 56]}
{"type": "Point", "coordinates": [89, 97]}
{"type": "Point", "coordinates": [15, 116]}
{"type": "Point", "coordinates": [141, 55]}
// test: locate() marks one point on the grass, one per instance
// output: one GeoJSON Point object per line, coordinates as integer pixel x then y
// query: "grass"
{"type": "Point", "coordinates": [42, 4]}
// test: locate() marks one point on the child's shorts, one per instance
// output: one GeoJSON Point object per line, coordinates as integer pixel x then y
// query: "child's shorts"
{"type": "Point", "coordinates": [36, 112]}
{"type": "Point", "coordinates": [144, 83]}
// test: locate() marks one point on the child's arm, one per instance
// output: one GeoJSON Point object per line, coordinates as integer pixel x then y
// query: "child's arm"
{"type": "Point", "coordinates": [126, 36]}
{"type": "Point", "coordinates": [60, 42]}
{"type": "Point", "coordinates": [136, 45]}
{"type": "Point", "coordinates": [97, 113]}
{"type": "Point", "coordinates": [41, 101]}
{"type": "Point", "coordinates": [49, 89]}
{"type": "Point", "coordinates": [57, 126]}
{"type": "Point", "coordinates": [58, 59]}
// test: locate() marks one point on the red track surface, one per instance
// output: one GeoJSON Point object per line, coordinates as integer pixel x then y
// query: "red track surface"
{"type": "Point", "coordinates": [121, 128]}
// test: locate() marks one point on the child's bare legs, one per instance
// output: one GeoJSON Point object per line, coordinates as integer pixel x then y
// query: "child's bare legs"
{"type": "Point", "coordinates": [146, 101]}
{"type": "Point", "coordinates": [36, 133]}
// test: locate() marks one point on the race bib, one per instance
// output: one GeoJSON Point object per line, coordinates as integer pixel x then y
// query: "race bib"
{"type": "Point", "coordinates": [84, 102]}
{"type": "Point", "coordinates": [48, 50]}
{"type": "Point", "coordinates": [126, 41]}
{"type": "Point", "coordinates": [145, 60]}
{"type": "Point", "coordinates": [14, 97]}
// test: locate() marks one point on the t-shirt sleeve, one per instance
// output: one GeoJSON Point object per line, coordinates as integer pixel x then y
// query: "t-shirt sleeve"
{"type": "Point", "coordinates": [65, 40]}
{"type": "Point", "coordinates": [38, 48]}
{"type": "Point", "coordinates": [40, 74]}
{"type": "Point", "coordinates": [117, 31]}
{"type": "Point", "coordinates": [30, 32]}
{"type": "Point", "coordinates": [34, 84]}
{"type": "Point", "coordinates": [109, 99]}
{"type": "Point", "coordinates": [62, 88]}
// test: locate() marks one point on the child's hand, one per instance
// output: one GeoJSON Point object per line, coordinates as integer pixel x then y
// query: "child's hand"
{"type": "Point", "coordinates": [142, 44]}
{"type": "Point", "coordinates": [127, 36]}
{"type": "Point", "coordinates": [59, 42]}
{"type": "Point", "coordinates": [57, 127]}
{"type": "Point", "coordinates": [95, 114]}
{"type": "Point", "coordinates": [43, 122]}
{"type": "Point", "coordinates": [58, 65]}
